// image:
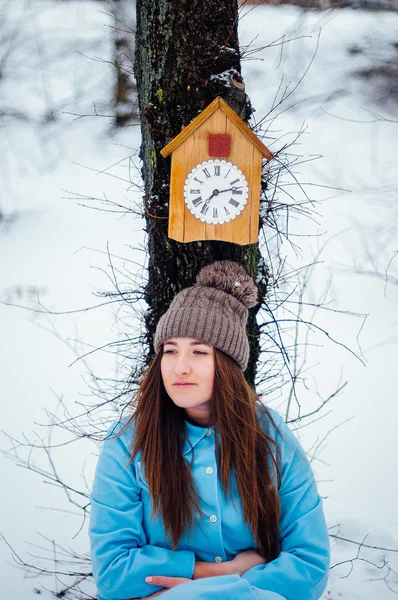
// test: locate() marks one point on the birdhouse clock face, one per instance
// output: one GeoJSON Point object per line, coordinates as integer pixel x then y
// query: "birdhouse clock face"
{"type": "Point", "coordinates": [216, 191]}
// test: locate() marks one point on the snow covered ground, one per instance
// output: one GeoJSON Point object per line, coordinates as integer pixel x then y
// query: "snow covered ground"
{"type": "Point", "coordinates": [56, 250]}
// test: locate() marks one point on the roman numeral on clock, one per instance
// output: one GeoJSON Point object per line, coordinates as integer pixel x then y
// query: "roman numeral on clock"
{"type": "Point", "coordinates": [234, 181]}
{"type": "Point", "coordinates": [205, 208]}
{"type": "Point", "coordinates": [217, 170]}
{"type": "Point", "coordinates": [234, 202]}
{"type": "Point", "coordinates": [206, 172]}
{"type": "Point", "coordinates": [197, 201]}
{"type": "Point", "coordinates": [226, 210]}
{"type": "Point", "coordinates": [197, 192]}
{"type": "Point", "coordinates": [215, 213]}
{"type": "Point", "coordinates": [198, 180]}
{"type": "Point", "coordinates": [234, 191]}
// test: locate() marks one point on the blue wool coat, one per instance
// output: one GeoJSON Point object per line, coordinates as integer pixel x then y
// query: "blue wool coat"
{"type": "Point", "coordinates": [129, 544]}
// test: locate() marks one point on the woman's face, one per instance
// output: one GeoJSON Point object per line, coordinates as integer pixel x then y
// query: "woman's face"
{"type": "Point", "coordinates": [187, 367]}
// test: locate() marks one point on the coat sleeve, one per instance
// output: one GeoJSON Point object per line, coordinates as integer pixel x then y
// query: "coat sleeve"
{"type": "Point", "coordinates": [224, 587]}
{"type": "Point", "coordinates": [301, 569]}
{"type": "Point", "coordinates": [121, 557]}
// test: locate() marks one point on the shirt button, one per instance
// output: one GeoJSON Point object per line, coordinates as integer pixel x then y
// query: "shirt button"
{"type": "Point", "coordinates": [208, 432]}
{"type": "Point", "coordinates": [209, 470]}
{"type": "Point", "coordinates": [218, 559]}
{"type": "Point", "coordinates": [213, 518]}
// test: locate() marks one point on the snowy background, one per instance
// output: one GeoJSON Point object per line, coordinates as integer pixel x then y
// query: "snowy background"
{"type": "Point", "coordinates": [54, 66]}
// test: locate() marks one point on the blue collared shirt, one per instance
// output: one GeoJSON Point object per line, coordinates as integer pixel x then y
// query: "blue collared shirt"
{"type": "Point", "coordinates": [128, 543]}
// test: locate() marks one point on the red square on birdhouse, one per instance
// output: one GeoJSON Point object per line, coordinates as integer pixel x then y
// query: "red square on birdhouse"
{"type": "Point", "coordinates": [219, 144]}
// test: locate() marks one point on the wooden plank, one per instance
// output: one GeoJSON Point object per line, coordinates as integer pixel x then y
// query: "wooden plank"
{"type": "Point", "coordinates": [255, 198]}
{"type": "Point", "coordinates": [244, 158]}
{"type": "Point", "coordinates": [195, 151]}
{"type": "Point", "coordinates": [176, 207]}
{"type": "Point", "coordinates": [241, 155]}
{"type": "Point", "coordinates": [219, 122]}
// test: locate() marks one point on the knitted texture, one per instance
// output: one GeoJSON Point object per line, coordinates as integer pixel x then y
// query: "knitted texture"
{"type": "Point", "coordinates": [214, 310]}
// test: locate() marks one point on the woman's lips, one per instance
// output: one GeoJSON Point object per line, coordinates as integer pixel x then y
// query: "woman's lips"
{"type": "Point", "coordinates": [184, 384]}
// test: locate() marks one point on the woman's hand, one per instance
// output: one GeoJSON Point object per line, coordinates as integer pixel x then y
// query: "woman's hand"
{"type": "Point", "coordinates": [244, 561]}
{"type": "Point", "coordinates": [241, 563]}
{"type": "Point", "coordinates": [208, 569]}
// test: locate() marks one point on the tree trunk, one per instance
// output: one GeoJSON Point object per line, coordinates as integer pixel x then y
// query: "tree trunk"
{"type": "Point", "coordinates": [125, 98]}
{"type": "Point", "coordinates": [187, 54]}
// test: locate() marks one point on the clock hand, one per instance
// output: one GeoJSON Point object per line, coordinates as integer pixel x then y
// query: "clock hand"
{"type": "Point", "coordinates": [207, 202]}
{"type": "Point", "coordinates": [208, 199]}
{"type": "Point", "coordinates": [230, 189]}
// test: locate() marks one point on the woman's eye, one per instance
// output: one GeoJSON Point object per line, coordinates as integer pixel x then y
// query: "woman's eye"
{"type": "Point", "coordinates": [172, 351]}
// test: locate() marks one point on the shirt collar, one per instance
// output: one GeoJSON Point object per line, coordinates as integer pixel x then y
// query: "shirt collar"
{"type": "Point", "coordinates": [195, 434]}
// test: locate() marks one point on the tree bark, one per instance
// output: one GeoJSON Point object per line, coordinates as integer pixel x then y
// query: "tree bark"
{"type": "Point", "coordinates": [187, 54]}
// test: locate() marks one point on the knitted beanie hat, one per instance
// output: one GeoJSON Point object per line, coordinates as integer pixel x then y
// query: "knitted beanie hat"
{"type": "Point", "coordinates": [214, 310]}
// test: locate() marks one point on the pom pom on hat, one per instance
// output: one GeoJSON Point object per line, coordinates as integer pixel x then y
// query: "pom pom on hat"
{"type": "Point", "coordinates": [231, 278]}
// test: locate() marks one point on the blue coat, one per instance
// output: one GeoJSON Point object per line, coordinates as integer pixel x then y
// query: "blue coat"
{"type": "Point", "coordinates": [128, 544]}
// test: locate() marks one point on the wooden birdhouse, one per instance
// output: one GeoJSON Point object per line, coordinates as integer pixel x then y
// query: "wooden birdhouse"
{"type": "Point", "coordinates": [215, 178]}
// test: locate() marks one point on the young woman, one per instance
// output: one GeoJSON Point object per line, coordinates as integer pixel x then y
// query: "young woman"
{"type": "Point", "coordinates": [203, 493]}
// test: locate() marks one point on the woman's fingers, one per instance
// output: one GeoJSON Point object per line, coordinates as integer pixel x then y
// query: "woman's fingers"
{"type": "Point", "coordinates": [163, 581]}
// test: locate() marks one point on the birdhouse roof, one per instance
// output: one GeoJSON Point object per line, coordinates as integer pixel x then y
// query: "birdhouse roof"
{"type": "Point", "coordinates": [217, 104]}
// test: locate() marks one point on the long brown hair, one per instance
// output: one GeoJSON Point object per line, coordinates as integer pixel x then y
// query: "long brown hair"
{"type": "Point", "coordinates": [244, 451]}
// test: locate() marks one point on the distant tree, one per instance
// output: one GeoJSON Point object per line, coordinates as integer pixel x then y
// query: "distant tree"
{"type": "Point", "coordinates": [125, 97]}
